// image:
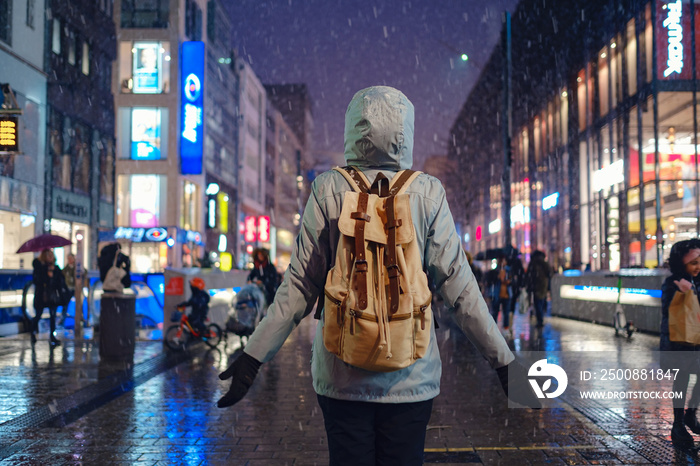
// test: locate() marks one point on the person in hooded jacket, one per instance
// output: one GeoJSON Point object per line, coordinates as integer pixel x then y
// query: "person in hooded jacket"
{"type": "Point", "coordinates": [684, 262]}
{"type": "Point", "coordinates": [199, 302]}
{"type": "Point", "coordinates": [375, 417]}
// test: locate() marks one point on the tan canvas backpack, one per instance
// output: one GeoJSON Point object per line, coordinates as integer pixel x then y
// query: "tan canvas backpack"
{"type": "Point", "coordinates": [377, 313]}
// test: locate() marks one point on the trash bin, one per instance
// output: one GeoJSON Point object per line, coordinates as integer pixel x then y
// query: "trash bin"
{"type": "Point", "coordinates": [117, 326]}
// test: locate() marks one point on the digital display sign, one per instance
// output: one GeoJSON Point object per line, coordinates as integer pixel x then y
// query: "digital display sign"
{"type": "Point", "coordinates": [192, 110]}
{"type": "Point", "coordinates": [145, 134]}
{"type": "Point", "coordinates": [9, 134]}
{"type": "Point", "coordinates": [147, 68]}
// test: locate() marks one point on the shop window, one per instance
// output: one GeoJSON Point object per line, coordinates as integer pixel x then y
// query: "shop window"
{"type": "Point", "coordinates": [631, 58]}
{"type": "Point", "coordinates": [537, 141]}
{"type": "Point", "coordinates": [144, 67]}
{"type": "Point", "coordinates": [140, 200]}
{"type": "Point", "coordinates": [106, 157]}
{"type": "Point", "coordinates": [81, 155]}
{"type": "Point", "coordinates": [145, 134]}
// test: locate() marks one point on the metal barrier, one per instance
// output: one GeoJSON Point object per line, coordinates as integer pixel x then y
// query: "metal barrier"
{"type": "Point", "coordinates": [593, 296]}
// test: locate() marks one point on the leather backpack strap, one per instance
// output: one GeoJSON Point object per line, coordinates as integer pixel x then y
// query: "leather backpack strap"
{"type": "Point", "coordinates": [361, 268]}
{"type": "Point", "coordinates": [356, 179]}
{"type": "Point", "coordinates": [401, 181]}
{"type": "Point", "coordinates": [392, 267]}
{"type": "Point", "coordinates": [380, 187]}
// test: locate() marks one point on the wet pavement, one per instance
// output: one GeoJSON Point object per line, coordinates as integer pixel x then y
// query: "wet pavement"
{"type": "Point", "coordinates": [65, 406]}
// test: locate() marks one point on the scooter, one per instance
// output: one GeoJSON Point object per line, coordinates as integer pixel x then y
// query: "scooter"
{"type": "Point", "coordinates": [620, 322]}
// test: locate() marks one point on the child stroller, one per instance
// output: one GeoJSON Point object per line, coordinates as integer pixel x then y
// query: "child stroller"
{"type": "Point", "coordinates": [248, 308]}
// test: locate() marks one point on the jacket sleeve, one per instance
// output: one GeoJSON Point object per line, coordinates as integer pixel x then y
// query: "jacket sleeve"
{"type": "Point", "coordinates": [448, 266]}
{"type": "Point", "coordinates": [302, 284]}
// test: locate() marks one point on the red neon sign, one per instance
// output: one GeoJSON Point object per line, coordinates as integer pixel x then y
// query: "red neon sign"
{"type": "Point", "coordinates": [250, 233]}
{"type": "Point", "coordinates": [264, 228]}
{"type": "Point", "coordinates": [477, 234]}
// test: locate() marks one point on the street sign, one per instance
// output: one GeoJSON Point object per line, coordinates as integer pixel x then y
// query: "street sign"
{"type": "Point", "coordinates": [9, 133]}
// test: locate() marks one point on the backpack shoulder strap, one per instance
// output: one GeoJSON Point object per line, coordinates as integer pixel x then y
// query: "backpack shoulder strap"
{"type": "Point", "coordinates": [355, 177]}
{"type": "Point", "coordinates": [401, 181]}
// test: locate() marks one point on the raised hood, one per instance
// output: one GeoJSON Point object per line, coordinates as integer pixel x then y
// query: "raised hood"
{"type": "Point", "coordinates": [379, 129]}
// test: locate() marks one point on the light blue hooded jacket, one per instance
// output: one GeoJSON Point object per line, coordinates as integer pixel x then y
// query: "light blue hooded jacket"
{"type": "Point", "coordinates": [378, 137]}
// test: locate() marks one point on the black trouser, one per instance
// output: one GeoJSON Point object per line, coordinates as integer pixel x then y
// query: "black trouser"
{"type": "Point", "coordinates": [37, 318]}
{"type": "Point", "coordinates": [375, 434]}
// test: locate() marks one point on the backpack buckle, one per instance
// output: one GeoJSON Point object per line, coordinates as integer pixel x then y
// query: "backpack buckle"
{"type": "Point", "coordinates": [361, 266]}
{"type": "Point", "coordinates": [392, 270]}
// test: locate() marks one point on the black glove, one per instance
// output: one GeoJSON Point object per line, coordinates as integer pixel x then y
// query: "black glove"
{"type": "Point", "coordinates": [242, 372]}
{"type": "Point", "coordinates": [516, 387]}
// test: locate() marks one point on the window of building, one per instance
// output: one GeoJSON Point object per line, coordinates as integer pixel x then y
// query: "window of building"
{"type": "Point", "coordinates": [149, 14]}
{"type": "Point", "coordinates": [648, 41]}
{"type": "Point", "coordinates": [140, 200]}
{"type": "Point", "coordinates": [631, 58]}
{"type": "Point", "coordinates": [6, 21]}
{"type": "Point", "coordinates": [144, 67]}
{"type": "Point", "coordinates": [145, 134]}
{"type": "Point", "coordinates": [30, 13]}
{"type": "Point", "coordinates": [193, 20]}
{"type": "Point", "coordinates": [70, 36]}
{"type": "Point", "coordinates": [85, 60]}
{"type": "Point", "coordinates": [190, 213]}
{"type": "Point", "coordinates": [144, 131]}
{"type": "Point", "coordinates": [56, 37]}
{"type": "Point", "coordinates": [81, 156]}
{"type": "Point", "coordinates": [603, 82]}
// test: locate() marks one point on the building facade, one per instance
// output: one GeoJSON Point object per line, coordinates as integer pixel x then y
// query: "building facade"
{"type": "Point", "coordinates": [604, 168]}
{"type": "Point", "coordinates": [160, 85]}
{"type": "Point", "coordinates": [80, 123]}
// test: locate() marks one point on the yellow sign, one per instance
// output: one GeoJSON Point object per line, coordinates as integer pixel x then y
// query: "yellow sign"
{"type": "Point", "coordinates": [9, 130]}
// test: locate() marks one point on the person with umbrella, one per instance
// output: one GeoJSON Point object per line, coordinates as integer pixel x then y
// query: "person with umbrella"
{"type": "Point", "coordinates": [48, 285]}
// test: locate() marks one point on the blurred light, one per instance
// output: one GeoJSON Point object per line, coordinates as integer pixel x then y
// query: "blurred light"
{"type": "Point", "coordinates": [603, 55]}
{"type": "Point", "coordinates": [170, 242]}
{"type": "Point", "coordinates": [578, 80]}
{"type": "Point", "coordinates": [564, 94]}
{"type": "Point", "coordinates": [249, 249]}
{"type": "Point", "coordinates": [465, 57]}
{"type": "Point", "coordinates": [212, 189]}
{"type": "Point", "coordinates": [79, 237]}
{"type": "Point", "coordinates": [466, 237]}
{"type": "Point", "coordinates": [613, 45]}
{"type": "Point", "coordinates": [477, 233]}
{"type": "Point", "coordinates": [223, 242]}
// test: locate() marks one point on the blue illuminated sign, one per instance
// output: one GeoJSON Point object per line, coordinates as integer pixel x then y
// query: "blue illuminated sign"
{"type": "Point", "coordinates": [550, 201]}
{"type": "Point", "coordinates": [192, 111]}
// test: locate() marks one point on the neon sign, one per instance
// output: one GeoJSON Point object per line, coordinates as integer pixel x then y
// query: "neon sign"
{"type": "Point", "coordinates": [192, 128]}
{"type": "Point", "coordinates": [672, 23]}
{"type": "Point", "coordinates": [550, 201]}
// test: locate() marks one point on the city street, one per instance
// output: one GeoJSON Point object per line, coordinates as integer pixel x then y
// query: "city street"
{"type": "Point", "coordinates": [65, 406]}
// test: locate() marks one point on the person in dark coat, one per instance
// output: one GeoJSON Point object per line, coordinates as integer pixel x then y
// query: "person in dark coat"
{"type": "Point", "coordinates": [48, 283]}
{"type": "Point", "coordinates": [264, 274]}
{"type": "Point", "coordinates": [537, 277]}
{"type": "Point", "coordinates": [106, 260]}
{"type": "Point", "coordinates": [517, 275]}
{"type": "Point", "coordinates": [199, 302]}
{"type": "Point", "coordinates": [684, 263]}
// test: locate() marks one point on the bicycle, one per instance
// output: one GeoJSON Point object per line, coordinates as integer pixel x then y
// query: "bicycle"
{"type": "Point", "coordinates": [178, 336]}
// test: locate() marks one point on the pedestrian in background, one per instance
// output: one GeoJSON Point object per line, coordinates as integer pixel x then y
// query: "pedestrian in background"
{"type": "Point", "coordinates": [48, 283]}
{"type": "Point", "coordinates": [517, 275]}
{"type": "Point", "coordinates": [537, 277]}
{"type": "Point", "coordinates": [478, 274]}
{"type": "Point", "coordinates": [501, 293]}
{"type": "Point", "coordinates": [264, 274]}
{"type": "Point", "coordinates": [375, 417]}
{"type": "Point", "coordinates": [69, 278]}
{"type": "Point", "coordinates": [684, 263]}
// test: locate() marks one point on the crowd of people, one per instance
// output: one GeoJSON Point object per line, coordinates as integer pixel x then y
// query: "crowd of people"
{"type": "Point", "coordinates": [510, 285]}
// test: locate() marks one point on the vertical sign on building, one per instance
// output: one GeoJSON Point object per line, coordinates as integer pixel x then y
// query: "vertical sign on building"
{"type": "Point", "coordinates": [192, 110]}
{"type": "Point", "coordinates": [673, 40]}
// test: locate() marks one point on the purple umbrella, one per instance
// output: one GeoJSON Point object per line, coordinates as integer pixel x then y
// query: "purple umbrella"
{"type": "Point", "coordinates": [45, 241]}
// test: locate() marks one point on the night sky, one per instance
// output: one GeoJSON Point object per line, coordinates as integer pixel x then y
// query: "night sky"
{"type": "Point", "coordinates": [338, 47]}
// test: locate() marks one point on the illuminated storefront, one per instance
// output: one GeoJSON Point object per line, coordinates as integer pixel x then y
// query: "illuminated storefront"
{"type": "Point", "coordinates": [605, 160]}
